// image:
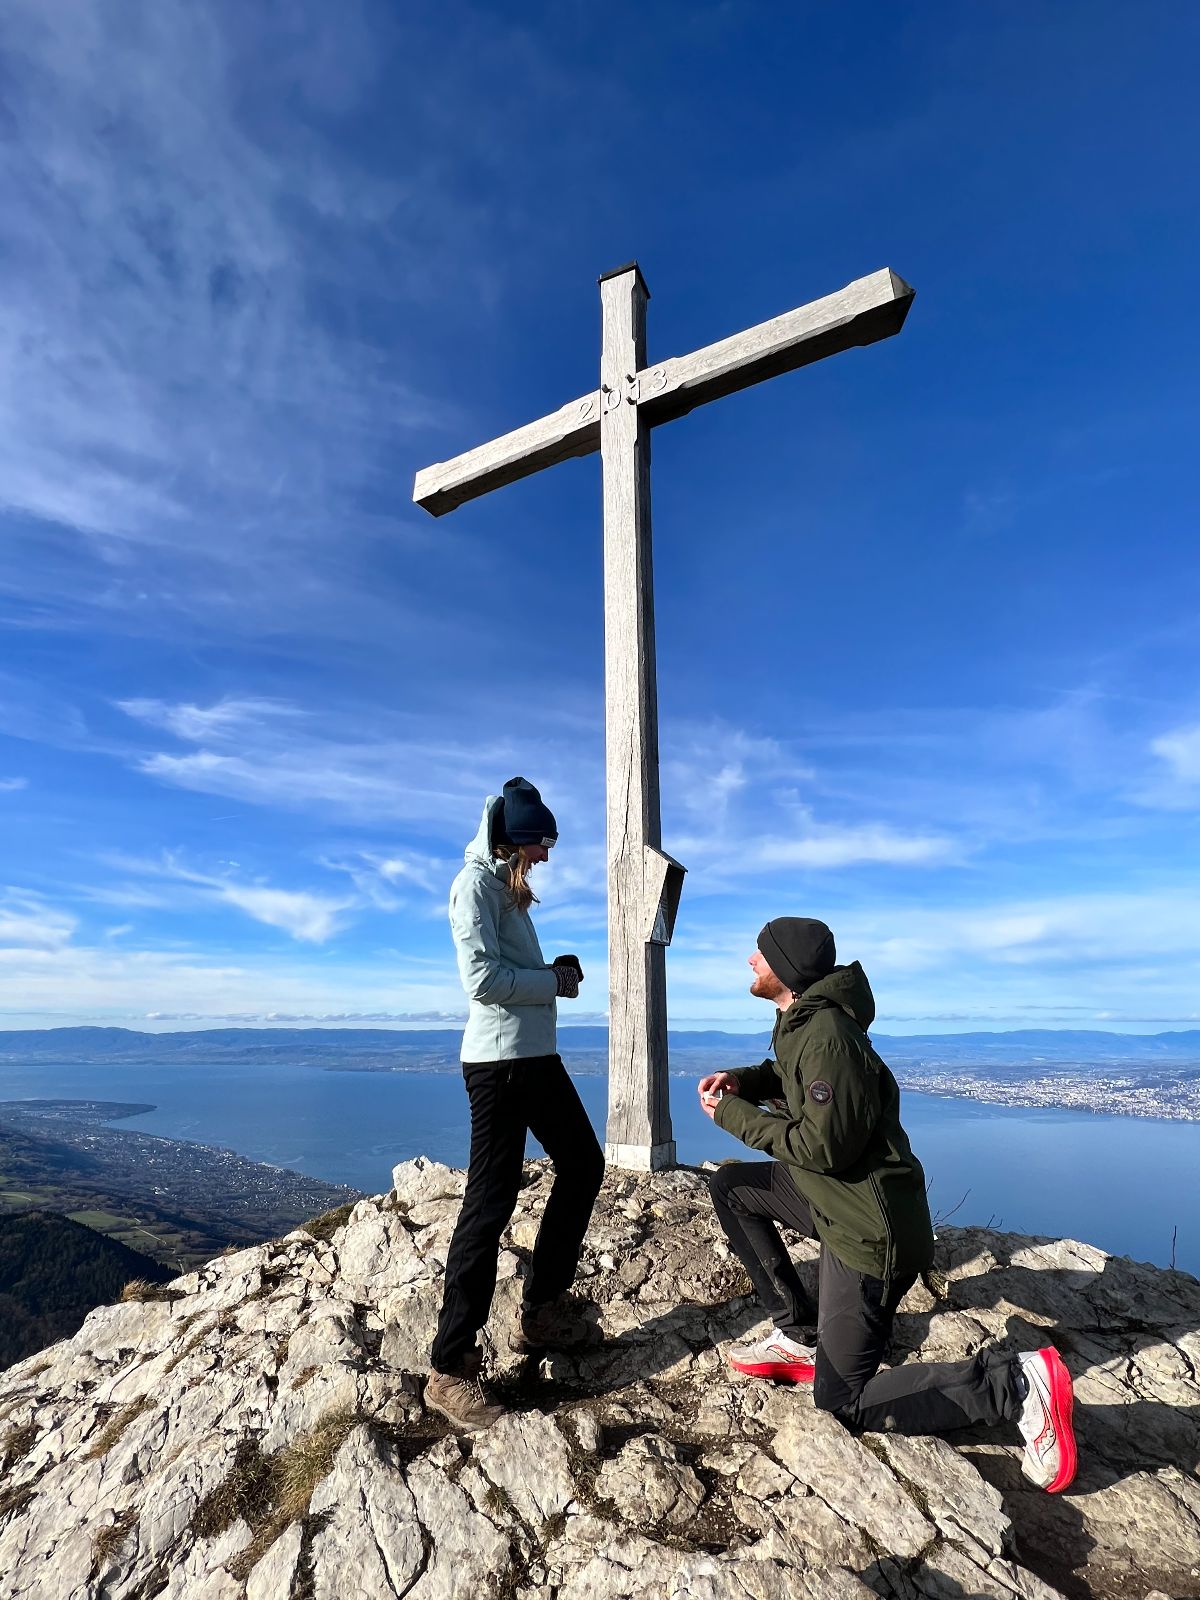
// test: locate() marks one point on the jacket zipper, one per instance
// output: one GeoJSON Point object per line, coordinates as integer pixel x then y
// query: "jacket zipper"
{"type": "Point", "coordinates": [889, 1261]}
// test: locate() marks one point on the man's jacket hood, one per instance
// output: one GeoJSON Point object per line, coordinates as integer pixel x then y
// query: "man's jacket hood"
{"type": "Point", "coordinates": [845, 987]}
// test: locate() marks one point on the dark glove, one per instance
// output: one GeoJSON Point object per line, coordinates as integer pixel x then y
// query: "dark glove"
{"type": "Point", "coordinates": [568, 981]}
{"type": "Point", "coordinates": [568, 961]}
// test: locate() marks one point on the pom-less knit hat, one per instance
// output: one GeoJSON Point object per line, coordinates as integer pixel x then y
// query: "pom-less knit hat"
{"type": "Point", "coordinates": [799, 950]}
{"type": "Point", "coordinates": [522, 818]}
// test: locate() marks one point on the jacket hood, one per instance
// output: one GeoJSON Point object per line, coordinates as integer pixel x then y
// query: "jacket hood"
{"type": "Point", "coordinates": [479, 851]}
{"type": "Point", "coordinates": [845, 987]}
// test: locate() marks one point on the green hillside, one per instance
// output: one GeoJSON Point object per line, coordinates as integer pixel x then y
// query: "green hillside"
{"type": "Point", "coordinates": [52, 1273]}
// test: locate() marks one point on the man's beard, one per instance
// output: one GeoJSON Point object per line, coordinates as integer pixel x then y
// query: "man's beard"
{"type": "Point", "coordinates": [766, 986]}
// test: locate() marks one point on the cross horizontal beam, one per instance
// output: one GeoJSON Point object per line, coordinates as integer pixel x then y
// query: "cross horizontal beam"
{"type": "Point", "coordinates": [869, 309]}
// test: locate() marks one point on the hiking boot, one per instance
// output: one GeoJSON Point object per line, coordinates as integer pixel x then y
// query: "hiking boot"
{"type": "Point", "coordinates": [778, 1356]}
{"type": "Point", "coordinates": [559, 1324]}
{"type": "Point", "coordinates": [460, 1398]}
{"type": "Point", "coordinates": [1045, 1421]}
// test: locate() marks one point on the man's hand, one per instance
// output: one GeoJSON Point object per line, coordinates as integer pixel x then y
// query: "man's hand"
{"type": "Point", "coordinates": [711, 1088]}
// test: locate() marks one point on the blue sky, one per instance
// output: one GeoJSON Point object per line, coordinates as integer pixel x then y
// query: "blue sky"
{"type": "Point", "coordinates": [927, 612]}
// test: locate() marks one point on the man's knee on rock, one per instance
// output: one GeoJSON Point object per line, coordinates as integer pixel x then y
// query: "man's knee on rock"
{"type": "Point", "coordinates": [831, 1393]}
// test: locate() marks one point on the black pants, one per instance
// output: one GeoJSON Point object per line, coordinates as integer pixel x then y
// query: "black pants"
{"type": "Point", "coordinates": [854, 1315]}
{"type": "Point", "coordinates": [507, 1098]}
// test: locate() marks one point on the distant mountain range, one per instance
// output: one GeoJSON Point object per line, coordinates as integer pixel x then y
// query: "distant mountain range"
{"type": "Point", "coordinates": [383, 1048]}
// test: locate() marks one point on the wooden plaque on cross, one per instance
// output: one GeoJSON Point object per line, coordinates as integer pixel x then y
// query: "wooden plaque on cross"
{"type": "Point", "coordinates": [644, 884]}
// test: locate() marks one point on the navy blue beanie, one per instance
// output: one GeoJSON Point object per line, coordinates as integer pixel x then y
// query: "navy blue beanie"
{"type": "Point", "coordinates": [522, 818]}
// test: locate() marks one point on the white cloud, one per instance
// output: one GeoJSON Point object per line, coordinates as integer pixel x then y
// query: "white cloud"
{"type": "Point", "coordinates": [311, 917]}
{"type": "Point", "coordinates": [73, 983]}
{"type": "Point", "coordinates": [12, 785]}
{"type": "Point", "coordinates": [221, 719]}
{"type": "Point", "coordinates": [26, 920]}
{"type": "Point", "coordinates": [1180, 750]}
{"type": "Point", "coordinates": [178, 408]}
{"type": "Point", "coordinates": [304, 914]}
{"type": "Point", "coordinates": [827, 847]}
{"type": "Point", "coordinates": [351, 767]}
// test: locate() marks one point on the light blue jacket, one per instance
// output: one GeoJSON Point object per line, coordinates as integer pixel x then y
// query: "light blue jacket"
{"type": "Point", "coordinates": [512, 991]}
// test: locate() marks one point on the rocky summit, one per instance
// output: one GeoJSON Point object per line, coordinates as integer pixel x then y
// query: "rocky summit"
{"type": "Point", "coordinates": [255, 1430]}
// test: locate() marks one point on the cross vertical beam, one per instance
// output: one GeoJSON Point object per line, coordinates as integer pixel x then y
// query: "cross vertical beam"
{"type": "Point", "coordinates": [639, 1113]}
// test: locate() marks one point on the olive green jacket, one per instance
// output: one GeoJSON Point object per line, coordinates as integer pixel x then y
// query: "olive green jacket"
{"type": "Point", "coordinates": [839, 1131]}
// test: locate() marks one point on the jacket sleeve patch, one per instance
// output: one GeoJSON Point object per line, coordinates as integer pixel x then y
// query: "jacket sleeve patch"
{"type": "Point", "coordinates": [820, 1092]}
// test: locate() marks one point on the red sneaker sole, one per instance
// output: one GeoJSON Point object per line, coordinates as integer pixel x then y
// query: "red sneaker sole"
{"type": "Point", "coordinates": [1062, 1401]}
{"type": "Point", "coordinates": [781, 1371]}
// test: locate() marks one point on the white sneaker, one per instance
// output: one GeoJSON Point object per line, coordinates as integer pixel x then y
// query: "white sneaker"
{"type": "Point", "coordinates": [1045, 1421]}
{"type": "Point", "coordinates": [777, 1356]}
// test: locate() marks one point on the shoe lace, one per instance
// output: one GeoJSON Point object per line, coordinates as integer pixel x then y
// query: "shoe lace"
{"type": "Point", "coordinates": [474, 1389]}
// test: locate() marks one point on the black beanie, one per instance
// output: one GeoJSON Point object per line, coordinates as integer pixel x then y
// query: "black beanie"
{"type": "Point", "coordinates": [521, 817]}
{"type": "Point", "coordinates": [799, 950]}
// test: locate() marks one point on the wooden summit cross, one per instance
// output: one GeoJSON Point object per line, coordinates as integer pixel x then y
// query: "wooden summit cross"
{"type": "Point", "coordinates": [643, 883]}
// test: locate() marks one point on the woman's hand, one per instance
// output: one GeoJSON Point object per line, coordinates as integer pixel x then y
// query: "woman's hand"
{"type": "Point", "coordinates": [711, 1088]}
{"type": "Point", "coordinates": [568, 976]}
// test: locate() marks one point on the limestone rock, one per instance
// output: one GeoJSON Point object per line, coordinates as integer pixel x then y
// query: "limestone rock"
{"type": "Point", "coordinates": [262, 1436]}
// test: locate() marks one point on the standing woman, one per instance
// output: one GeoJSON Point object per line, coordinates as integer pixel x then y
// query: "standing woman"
{"type": "Point", "coordinates": [516, 1082]}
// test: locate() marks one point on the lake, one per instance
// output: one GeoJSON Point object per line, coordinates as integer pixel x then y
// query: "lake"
{"type": "Point", "coordinates": [1122, 1183]}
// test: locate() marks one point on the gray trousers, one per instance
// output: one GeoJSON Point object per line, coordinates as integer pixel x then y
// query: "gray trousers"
{"type": "Point", "coordinates": [853, 1316]}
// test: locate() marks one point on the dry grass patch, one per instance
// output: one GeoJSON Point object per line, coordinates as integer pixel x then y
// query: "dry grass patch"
{"type": "Point", "coordinates": [116, 1426]}
{"type": "Point", "coordinates": [269, 1493]}
{"type": "Point", "coordinates": [17, 1444]}
{"type": "Point", "coordinates": [327, 1224]}
{"type": "Point", "coordinates": [13, 1501]}
{"type": "Point", "coordinates": [143, 1289]}
{"type": "Point", "coordinates": [246, 1492]}
{"type": "Point", "coordinates": [109, 1540]}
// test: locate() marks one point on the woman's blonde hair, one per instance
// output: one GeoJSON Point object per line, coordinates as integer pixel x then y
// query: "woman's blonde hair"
{"type": "Point", "coordinates": [518, 870]}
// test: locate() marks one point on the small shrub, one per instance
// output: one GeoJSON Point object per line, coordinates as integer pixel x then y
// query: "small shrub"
{"type": "Point", "coordinates": [109, 1540]}
{"type": "Point", "coordinates": [142, 1289]}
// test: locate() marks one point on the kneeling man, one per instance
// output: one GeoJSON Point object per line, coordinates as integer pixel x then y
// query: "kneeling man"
{"type": "Point", "coordinates": [843, 1171]}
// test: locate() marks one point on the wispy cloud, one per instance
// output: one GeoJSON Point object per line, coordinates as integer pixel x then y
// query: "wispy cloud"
{"type": "Point", "coordinates": [305, 915]}
{"type": "Point", "coordinates": [12, 785]}
{"type": "Point", "coordinates": [70, 982]}
{"type": "Point", "coordinates": [1176, 783]}
{"type": "Point", "coordinates": [746, 806]}
{"type": "Point", "coordinates": [356, 767]}
{"type": "Point", "coordinates": [178, 409]}
{"type": "Point", "coordinates": [824, 847]}
{"type": "Point", "coordinates": [27, 920]}
{"type": "Point", "coordinates": [311, 917]}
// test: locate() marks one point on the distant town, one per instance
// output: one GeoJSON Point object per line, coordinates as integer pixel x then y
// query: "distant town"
{"type": "Point", "coordinates": [1106, 1094]}
{"type": "Point", "coordinates": [174, 1200]}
